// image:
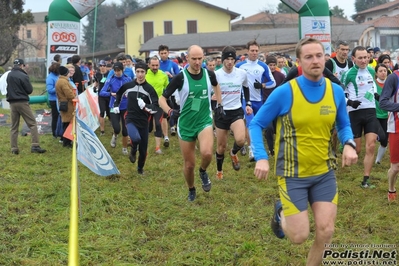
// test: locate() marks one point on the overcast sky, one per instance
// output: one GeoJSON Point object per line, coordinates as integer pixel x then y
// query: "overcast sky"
{"type": "Point", "coordinates": [244, 7]}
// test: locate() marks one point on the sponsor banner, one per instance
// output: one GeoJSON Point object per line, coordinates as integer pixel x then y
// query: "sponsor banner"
{"type": "Point", "coordinates": [83, 7]}
{"type": "Point", "coordinates": [92, 153]}
{"type": "Point", "coordinates": [295, 4]}
{"type": "Point", "coordinates": [63, 38]}
{"type": "Point", "coordinates": [318, 27]}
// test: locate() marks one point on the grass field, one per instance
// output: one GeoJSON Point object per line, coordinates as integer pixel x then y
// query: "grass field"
{"type": "Point", "coordinates": [146, 220]}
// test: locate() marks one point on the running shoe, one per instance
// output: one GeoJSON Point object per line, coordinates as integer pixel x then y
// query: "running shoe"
{"type": "Point", "coordinates": [158, 151]}
{"type": "Point", "coordinates": [166, 142]}
{"type": "Point", "coordinates": [243, 150]}
{"type": "Point", "coordinates": [132, 156]}
{"type": "Point", "coordinates": [250, 155]}
{"type": "Point", "coordinates": [367, 185]}
{"type": "Point", "coordinates": [173, 131]}
{"type": "Point", "coordinates": [191, 195]}
{"type": "Point", "coordinates": [206, 182]}
{"type": "Point", "coordinates": [219, 175]}
{"type": "Point", "coordinates": [234, 160]}
{"type": "Point", "coordinates": [391, 196]}
{"type": "Point", "coordinates": [124, 151]}
{"type": "Point", "coordinates": [140, 171]}
{"type": "Point", "coordinates": [113, 141]}
{"type": "Point", "coordinates": [276, 220]}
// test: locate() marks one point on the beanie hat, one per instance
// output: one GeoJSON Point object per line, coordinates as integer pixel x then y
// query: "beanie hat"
{"type": "Point", "coordinates": [376, 49]}
{"type": "Point", "coordinates": [63, 71]}
{"type": "Point", "coordinates": [141, 65]}
{"type": "Point", "coordinates": [271, 59]}
{"type": "Point", "coordinates": [228, 54]}
{"type": "Point", "coordinates": [118, 65]}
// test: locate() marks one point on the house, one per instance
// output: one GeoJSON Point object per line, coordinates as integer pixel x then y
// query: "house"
{"type": "Point", "coordinates": [383, 32]}
{"type": "Point", "coordinates": [385, 10]}
{"type": "Point", "coordinates": [281, 40]}
{"type": "Point", "coordinates": [33, 39]}
{"type": "Point", "coordinates": [383, 21]}
{"type": "Point", "coordinates": [268, 20]}
{"type": "Point", "coordinates": [172, 17]}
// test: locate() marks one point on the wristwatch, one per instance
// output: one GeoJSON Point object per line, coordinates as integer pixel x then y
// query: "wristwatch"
{"type": "Point", "coordinates": [351, 143]}
{"type": "Point", "coordinates": [249, 103]}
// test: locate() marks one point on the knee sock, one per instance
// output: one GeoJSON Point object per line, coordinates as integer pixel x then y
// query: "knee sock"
{"type": "Point", "coordinates": [219, 161]}
{"type": "Point", "coordinates": [236, 148]}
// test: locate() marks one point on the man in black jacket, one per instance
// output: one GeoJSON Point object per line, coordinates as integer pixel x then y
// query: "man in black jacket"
{"type": "Point", "coordinates": [18, 90]}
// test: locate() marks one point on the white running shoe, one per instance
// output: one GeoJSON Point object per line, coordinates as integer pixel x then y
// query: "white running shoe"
{"type": "Point", "coordinates": [113, 141]}
{"type": "Point", "coordinates": [250, 154]}
{"type": "Point", "coordinates": [124, 151]}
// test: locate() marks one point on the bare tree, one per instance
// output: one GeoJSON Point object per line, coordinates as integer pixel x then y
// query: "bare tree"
{"type": "Point", "coordinates": [12, 17]}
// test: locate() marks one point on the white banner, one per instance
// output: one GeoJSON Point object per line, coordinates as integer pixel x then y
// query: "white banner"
{"type": "Point", "coordinates": [63, 38]}
{"type": "Point", "coordinates": [318, 27]}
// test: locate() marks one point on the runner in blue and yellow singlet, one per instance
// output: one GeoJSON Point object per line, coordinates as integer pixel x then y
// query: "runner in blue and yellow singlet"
{"type": "Point", "coordinates": [306, 108]}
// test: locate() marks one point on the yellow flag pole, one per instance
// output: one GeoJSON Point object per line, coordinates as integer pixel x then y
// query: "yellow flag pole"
{"type": "Point", "coordinates": [73, 252]}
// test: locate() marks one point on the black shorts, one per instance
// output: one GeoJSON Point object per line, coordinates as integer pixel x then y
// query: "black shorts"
{"type": "Point", "coordinates": [224, 122]}
{"type": "Point", "coordinates": [364, 120]}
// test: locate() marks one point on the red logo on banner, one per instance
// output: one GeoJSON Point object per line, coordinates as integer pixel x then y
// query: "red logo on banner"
{"type": "Point", "coordinates": [64, 37]}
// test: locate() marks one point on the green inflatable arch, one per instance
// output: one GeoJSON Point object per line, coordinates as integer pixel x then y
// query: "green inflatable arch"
{"type": "Point", "coordinates": [63, 31]}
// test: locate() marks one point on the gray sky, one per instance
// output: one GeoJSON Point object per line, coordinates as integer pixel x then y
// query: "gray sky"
{"type": "Point", "coordinates": [250, 7]}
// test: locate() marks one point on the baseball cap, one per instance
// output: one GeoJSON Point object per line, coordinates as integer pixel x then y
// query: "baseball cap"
{"type": "Point", "coordinates": [118, 65]}
{"type": "Point", "coordinates": [102, 63]}
{"type": "Point", "coordinates": [369, 48]}
{"type": "Point", "coordinates": [19, 61]}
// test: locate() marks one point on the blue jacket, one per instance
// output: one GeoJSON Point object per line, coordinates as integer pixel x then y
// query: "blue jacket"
{"type": "Point", "coordinates": [51, 80]}
{"type": "Point", "coordinates": [113, 84]}
{"type": "Point", "coordinates": [170, 66]}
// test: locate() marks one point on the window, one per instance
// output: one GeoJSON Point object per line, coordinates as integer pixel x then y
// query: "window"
{"type": "Point", "coordinates": [28, 34]}
{"type": "Point", "coordinates": [167, 25]}
{"type": "Point", "coordinates": [148, 30]}
{"type": "Point", "coordinates": [191, 26]}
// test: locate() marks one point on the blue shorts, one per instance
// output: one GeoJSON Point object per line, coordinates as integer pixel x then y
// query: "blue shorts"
{"type": "Point", "coordinates": [295, 193]}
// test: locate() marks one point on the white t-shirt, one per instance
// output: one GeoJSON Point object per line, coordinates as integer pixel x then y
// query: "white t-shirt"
{"type": "Point", "coordinates": [231, 87]}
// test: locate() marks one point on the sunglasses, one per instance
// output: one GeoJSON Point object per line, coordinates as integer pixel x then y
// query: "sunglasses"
{"type": "Point", "coordinates": [102, 65]}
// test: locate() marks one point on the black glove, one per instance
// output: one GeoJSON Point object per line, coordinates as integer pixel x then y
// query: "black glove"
{"type": "Point", "coordinates": [257, 84]}
{"type": "Point", "coordinates": [376, 96]}
{"type": "Point", "coordinates": [219, 112]}
{"type": "Point", "coordinates": [355, 104]}
{"type": "Point", "coordinates": [174, 113]}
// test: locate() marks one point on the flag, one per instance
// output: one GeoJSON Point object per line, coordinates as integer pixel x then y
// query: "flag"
{"type": "Point", "coordinates": [88, 109]}
{"type": "Point", "coordinates": [91, 152]}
